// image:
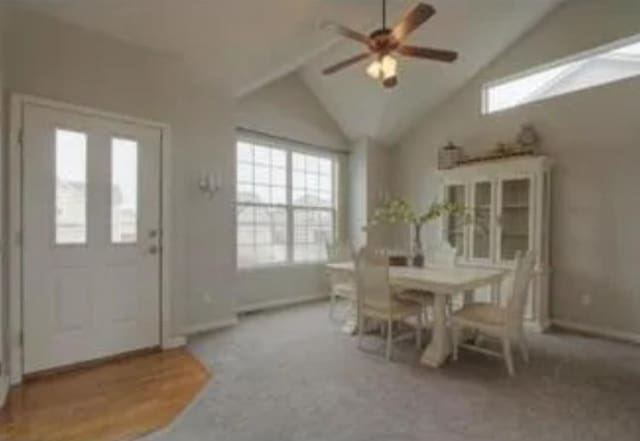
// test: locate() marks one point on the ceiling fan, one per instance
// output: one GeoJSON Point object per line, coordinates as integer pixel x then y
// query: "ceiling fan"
{"type": "Point", "coordinates": [384, 42]}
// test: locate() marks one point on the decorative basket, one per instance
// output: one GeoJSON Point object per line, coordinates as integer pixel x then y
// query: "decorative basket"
{"type": "Point", "coordinates": [449, 156]}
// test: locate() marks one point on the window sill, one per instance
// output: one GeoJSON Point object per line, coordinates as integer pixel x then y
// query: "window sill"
{"type": "Point", "coordinates": [277, 266]}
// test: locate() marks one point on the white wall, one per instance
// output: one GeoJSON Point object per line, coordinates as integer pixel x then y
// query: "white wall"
{"type": "Point", "coordinates": [369, 186]}
{"type": "Point", "coordinates": [51, 59]}
{"type": "Point", "coordinates": [593, 135]}
{"type": "Point", "coordinates": [4, 347]}
{"type": "Point", "coordinates": [358, 193]}
{"type": "Point", "coordinates": [287, 108]}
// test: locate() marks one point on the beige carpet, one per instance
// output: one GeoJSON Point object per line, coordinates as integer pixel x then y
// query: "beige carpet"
{"type": "Point", "coordinates": [291, 375]}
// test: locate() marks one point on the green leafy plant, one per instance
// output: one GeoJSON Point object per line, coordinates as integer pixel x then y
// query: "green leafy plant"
{"type": "Point", "coordinates": [398, 211]}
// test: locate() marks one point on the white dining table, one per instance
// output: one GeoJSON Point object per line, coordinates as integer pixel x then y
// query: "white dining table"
{"type": "Point", "coordinates": [443, 282]}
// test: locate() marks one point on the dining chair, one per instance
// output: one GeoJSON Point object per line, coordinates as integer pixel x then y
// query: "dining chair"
{"type": "Point", "coordinates": [342, 285]}
{"type": "Point", "coordinates": [505, 323]}
{"type": "Point", "coordinates": [443, 255]}
{"type": "Point", "coordinates": [375, 299]}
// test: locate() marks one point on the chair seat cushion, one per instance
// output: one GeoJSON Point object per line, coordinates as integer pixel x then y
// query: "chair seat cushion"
{"type": "Point", "coordinates": [398, 309]}
{"type": "Point", "coordinates": [484, 313]}
{"type": "Point", "coordinates": [417, 296]}
{"type": "Point", "coordinates": [346, 290]}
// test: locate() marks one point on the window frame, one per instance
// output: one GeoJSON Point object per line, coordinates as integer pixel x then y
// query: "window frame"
{"type": "Point", "coordinates": [289, 147]}
{"type": "Point", "coordinates": [579, 56]}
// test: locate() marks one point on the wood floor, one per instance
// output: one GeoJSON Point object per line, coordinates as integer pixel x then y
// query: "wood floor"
{"type": "Point", "coordinates": [119, 400]}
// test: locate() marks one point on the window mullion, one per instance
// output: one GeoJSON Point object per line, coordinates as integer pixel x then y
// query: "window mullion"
{"type": "Point", "coordinates": [290, 235]}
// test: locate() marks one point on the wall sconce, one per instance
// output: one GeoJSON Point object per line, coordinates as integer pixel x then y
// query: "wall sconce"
{"type": "Point", "coordinates": [210, 183]}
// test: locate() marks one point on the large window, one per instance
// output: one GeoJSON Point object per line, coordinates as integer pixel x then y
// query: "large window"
{"type": "Point", "coordinates": [613, 62]}
{"type": "Point", "coordinates": [286, 207]}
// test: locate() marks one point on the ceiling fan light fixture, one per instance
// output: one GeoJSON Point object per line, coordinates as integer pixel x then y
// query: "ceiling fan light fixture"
{"type": "Point", "coordinates": [383, 69]}
{"type": "Point", "coordinates": [390, 82]}
{"type": "Point", "coordinates": [389, 67]}
{"type": "Point", "coordinates": [374, 69]}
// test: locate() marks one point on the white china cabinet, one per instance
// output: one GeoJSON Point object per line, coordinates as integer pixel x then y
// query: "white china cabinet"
{"type": "Point", "coordinates": [507, 210]}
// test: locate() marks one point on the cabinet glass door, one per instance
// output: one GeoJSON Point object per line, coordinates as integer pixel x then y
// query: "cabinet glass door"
{"type": "Point", "coordinates": [481, 228]}
{"type": "Point", "coordinates": [455, 222]}
{"type": "Point", "coordinates": [514, 217]}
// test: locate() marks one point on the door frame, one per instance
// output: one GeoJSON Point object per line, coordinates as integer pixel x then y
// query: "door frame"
{"type": "Point", "coordinates": [15, 229]}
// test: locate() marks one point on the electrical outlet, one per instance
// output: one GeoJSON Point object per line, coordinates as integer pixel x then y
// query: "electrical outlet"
{"type": "Point", "coordinates": [586, 299]}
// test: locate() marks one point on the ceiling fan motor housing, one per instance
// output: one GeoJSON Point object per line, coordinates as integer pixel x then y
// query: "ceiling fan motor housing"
{"type": "Point", "coordinates": [381, 42]}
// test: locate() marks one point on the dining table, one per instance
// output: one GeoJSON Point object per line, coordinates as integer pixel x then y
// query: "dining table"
{"type": "Point", "coordinates": [442, 282]}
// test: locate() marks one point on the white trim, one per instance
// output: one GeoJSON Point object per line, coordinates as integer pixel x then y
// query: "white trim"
{"type": "Point", "coordinates": [14, 246]}
{"type": "Point", "coordinates": [630, 337]}
{"type": "Point", "coordinates": [210, 326]}
{"type": "Point", "coordinates": [174, 342]}
{"type": "Point", "coordinates": [4, 389]}
{"type": "Point", "coordinates": [279, 303]}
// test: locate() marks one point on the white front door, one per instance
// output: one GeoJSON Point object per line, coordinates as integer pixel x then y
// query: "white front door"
{"type": "Point", "coordinates": [91, 206]}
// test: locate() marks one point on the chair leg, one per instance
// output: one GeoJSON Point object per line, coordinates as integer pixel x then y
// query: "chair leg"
{"type": "Point", "coordinates": [455, 337]}
{"type": "Point", "coordinates": [332, 306]}
{"type": "Point", "coordinates": [389, 339]}
{"type": "Point", "coordinates": [508, 356]}
{"type": "Point", "coordinates": [524, 349]}
{"type": "Point", "coordinates": [419, 330]}
{"type": "Point", "coordinates": [361, 325]}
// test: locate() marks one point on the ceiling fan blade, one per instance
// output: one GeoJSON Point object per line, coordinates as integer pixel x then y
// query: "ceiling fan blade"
{"type": "Point", "coordinates": [346, 63]}
{"type": "Point", "coordinates": [346, 32]}
{"type": "Point", "coordinates": [428, 53]}
{"type": "Point", "coordinates": [410, 22]}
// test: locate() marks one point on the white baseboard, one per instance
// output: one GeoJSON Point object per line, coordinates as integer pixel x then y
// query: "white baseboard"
{"type": "Point", "coordinates": [210, 326]}
{"type": "Point", "coordinates": [279, 303]}
{"type": "Point", "coordinates": [174, 342]}
{"type": "Point", "coordinates": [630, 337]}
{"type": "Point", "coordinates": [4, 389]}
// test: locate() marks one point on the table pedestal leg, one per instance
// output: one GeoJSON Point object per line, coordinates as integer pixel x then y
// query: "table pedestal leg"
{"type": "Point", "coordinates": [440, 347]}
{"type": "Point", "coordinates": [350, 324]}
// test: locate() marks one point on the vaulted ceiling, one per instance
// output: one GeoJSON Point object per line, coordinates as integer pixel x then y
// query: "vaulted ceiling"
{"type": "Point", "coordinates": [244, 44]}
{"type": "Point", "coordinates": [477, 30]}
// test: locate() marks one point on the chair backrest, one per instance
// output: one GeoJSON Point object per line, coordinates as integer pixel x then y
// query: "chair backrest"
{"type": "Point", "coordinates": [340, 252]}
{"type": "Point", "coordinates": [372, 280]}
{"type": "Point", "coordinates": [442, 255]}
{"type": "Point", "coordinates": [517, 302]}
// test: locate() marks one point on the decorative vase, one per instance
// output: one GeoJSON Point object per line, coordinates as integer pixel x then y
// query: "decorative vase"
{"type": "Point", "coordinates": [418, 253]}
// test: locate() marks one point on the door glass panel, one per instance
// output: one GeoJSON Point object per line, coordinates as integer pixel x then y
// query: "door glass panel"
{"type": "Point", "coordinates": [455, 223]}
{"type": "Point", "coordinates": [482, 219]}
{"type": "Point", "coordinates": [515, 218]}
{"type": "Point", "coordinates": [124, 191]}
{"type": "Point", "coordinates": [71, 188]}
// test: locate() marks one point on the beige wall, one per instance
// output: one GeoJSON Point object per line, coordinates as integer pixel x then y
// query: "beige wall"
{"type": "Point", "coordinates": [369, 186]}
{"type": "Point", "coordinates": [55, 60]}
{"type": "Point", "coordinates": [287, 108]}
{"type": "Point", "coordinates": [4, 347]}
{"type": "Point", "coordinates": [593, 135]}
{"type": "Point", "coordinates": [50, 59]}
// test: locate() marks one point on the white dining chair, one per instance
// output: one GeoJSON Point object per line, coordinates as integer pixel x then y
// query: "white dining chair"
{"type": "Point", "coordinates": [342, 285]}
{"type": "Point", "coordinates": [375, 299]}
{"type": "Point", "coordinates": [442, 255]}
{"type": "Point", "coordinates": [505, 323]}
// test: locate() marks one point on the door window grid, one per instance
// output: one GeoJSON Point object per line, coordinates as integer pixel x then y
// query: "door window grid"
{"type": "Point", "coordinates": [285, 204]}
{"type": "Point", "coordinates": [70, 187]}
